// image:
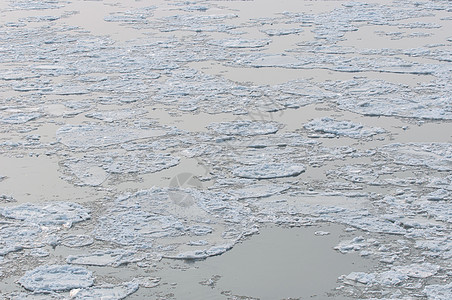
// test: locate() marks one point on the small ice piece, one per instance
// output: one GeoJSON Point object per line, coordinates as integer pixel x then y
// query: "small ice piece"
{"type": "Point", "coordinates": [56, 278]}
{"type": "Point", "coordinates": [20, 118]}
{"type": "Point", "coordinates": [321, 233]}
{"type": "Point", "coordinates": [438, 291]}
{"type": "Point", "coordinates": [110, 292]}
{"type": "Point", "coordinates": [269, 170]}
{"type": "Point", "coordinates": [75, 241]}
{"type": "Point", "coordinates": [57, 213]}
{"type": "Point", "coordinates": [241, 43]}
{"type": "Point", "coordinates": [387, 278]}
{"type": "Point", "coordinates": [244, 128]}
{"type": "Point", "coordinates": [113, 258]}
{"type": "Point", "coordinates": [342, 128]}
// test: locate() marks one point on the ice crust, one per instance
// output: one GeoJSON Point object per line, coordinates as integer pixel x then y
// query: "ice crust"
{"type": "Point", "coordinates": [268, 171]}
{"type": "Point", "coordinates": [110, 292]}
{"type": "Point", "coordinates": [244, 128]}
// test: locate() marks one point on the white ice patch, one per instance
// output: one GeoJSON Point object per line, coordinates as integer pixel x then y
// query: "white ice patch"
{"type": "Point", "coordinates": [113, 258]}
{"type": "Point", "coordinates": [342, 128]}
{"type": "Point", "coordinates": [259, 191]}
{"type": "Point", "coordinates": [438, 291]}
{"type": "Point", "coordinates": [87, 136]}
{"type": "Point", "coordinates": [115, 115]}
{"type": "Point", "coordinates": [76, 241]}
{"type": "Point", "coordinates": [20, 118]}
{"type": "Point", "coordinates": [16, 237]}
{"type": "Point", "coordinates": [105, 292]}
{"type": "Point", "coordinates": [268, 171]}
{"type": "Point", "coordinates": [240, 43]}
{"type": "Point", "coordinates": [281, 31]}
{"type": "Point", "coordinates": [56, 278]}
{"type": "Point", "coordinates": [437, 156]}
{"type": "Point", "coordinates": [56, 213]}
{"type": "Point", "coordinates": [244, 128]}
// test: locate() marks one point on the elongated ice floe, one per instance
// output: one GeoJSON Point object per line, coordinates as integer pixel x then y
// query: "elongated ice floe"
{"type": "Point", "coordinates": [342, 128]}
{"type": "Point", "coordinates": [108, 291]}
{"type": "Point", "coordinates": [244, 128]}
{"type": "Point", "coordinates": [54, 213]}
{"type": "Point", "coordinates": [268, 171]}
{"type": "Point", "coordinates": [56, 278]}
{"type": "Point", "coordinates": [113, 258]}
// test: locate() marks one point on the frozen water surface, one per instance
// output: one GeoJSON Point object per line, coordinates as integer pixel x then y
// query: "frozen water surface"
{"type": "Point", "coordinates": [136, 138]}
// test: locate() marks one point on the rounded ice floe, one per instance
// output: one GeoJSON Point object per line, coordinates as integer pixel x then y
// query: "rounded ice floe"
{"type": "Point", "coordinates": [342, 128]}
{"type": "Point", "coordinates": [74, 241]}
{"type": "Point", "coordinates": [56, 278]}
{"type": "Point", "coordinates": [244, 128]}
{"type": "Point", "coordinates": [58, 213]}
{"type": "Point", "coordinates": [269, 170]}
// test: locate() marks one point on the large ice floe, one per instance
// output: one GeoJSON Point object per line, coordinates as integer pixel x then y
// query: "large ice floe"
{"type": "Point", "coordinates": [157, 135]}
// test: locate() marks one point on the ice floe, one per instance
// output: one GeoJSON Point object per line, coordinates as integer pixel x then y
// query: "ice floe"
{"type": "Point", "coordinates": [111, 292]}
{"type": "Point", "coordinates": [56, 278]}
{"type": "Point", "coordinates": [342, 128]}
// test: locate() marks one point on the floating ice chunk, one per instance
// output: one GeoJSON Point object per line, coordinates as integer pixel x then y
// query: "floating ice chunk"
{"type": "Point", "coordinates": [55, 213]}
{"type": "Point", "coordinates": [259, 191]}
{"type": "Point", "coordinates": [202, 254]}
{"type": "Point", "coordinates": [113, 258]}
{"type": "Point", "coordinates": [279, 60]}
{"type": "Point", "coordinates": [115, 115]}
{"type": "Point", "coordinates": [439, 195]}
{"type": "Point", "coordinates": [437, 156]}
{"type": "Point", "coordinates": [88, 173]}
{"type": "Point", "coordinates": [423, 270]}
{"type": "Point", "coordinates": [241, 43]}
{"type": "Point", "coordinates": [87, 136]}
{"type": "Point", "coordinates": [141, 163]}
{"type": "Point", "coordinates": [342, 128]}
{"type": "Point", "coordinates": [131, 17]}
{"type": "Point", "coordinates": [281, 31]}
{"type": "Point", "coordinates": [20, 118]}
{"type": "Point", "coordinates": [15, 238]}
{"type": "Point", "coordinates": [56, 278]}
{"type": "Point", "coordinates": [438, 291]}
{"type": "Point", "coordinates": [74, 241]}
{"type": "Point", "coordinates": [269, 170]}
{"type": "Point", "coordinates": [105, 292]}
{"type": "Point", "coordinates": [388, 278]}
{"type": "Point", "coordinates": [436, 247]}
{"type": "Point", "coordinates": [244, 128]}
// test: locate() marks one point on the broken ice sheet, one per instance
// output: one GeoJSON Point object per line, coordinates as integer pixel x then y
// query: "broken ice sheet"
{"type": "Point", "coordinates": [114, 257]}
{"type": "Point", "coordinates": [436, 156]}
{"type": "Point", "coordinates": [15, 237]}
{"type": "Point", "coordinates": [54, 213]}
{"type": "Point", "coordinates": [150, 218]}
{"type": "Point", "coordinates": [49, 278]}
{"type": "Point", "coordinates": [281, 31]}
{"type": "Point", "coordinates": [20, 118]}
{"type": "Point", "coordinates": [115, 115]}
{"type": "Point", "coordinates": [88, 136]}
{"type": "Point", "coordinates": [269, 170]}
{"type": "Point", "coordinates": [74, 241]}
{"type": "Point", "coordinates": [259, 190]}
{"type": "Point", "coordinates": [240, 43]}
{"type": "Point", "coordinates": [245, 128]}
{"type": "Point", "coordinates": [110, 292]}
{"type": "Point", "coordinates": [342, 128]}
